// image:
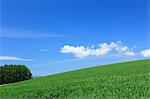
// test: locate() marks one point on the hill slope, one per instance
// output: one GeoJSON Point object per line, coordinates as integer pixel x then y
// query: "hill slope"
{"type": "Point", "coordinates": [122, 80]}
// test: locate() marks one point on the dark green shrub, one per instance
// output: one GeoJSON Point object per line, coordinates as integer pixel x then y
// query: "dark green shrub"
{"type": "Point", "coordinates": [14, 73]}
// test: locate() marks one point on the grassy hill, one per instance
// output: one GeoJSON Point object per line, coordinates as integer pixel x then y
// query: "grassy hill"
{"type": "Point", "coordinates": [129, 80]}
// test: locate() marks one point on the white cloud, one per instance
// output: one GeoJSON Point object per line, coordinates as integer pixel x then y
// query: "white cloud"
{"type": "Point", "coordinates": [103, 49]}
{"type": "Point", "coordinates": [14, 58]}
{"type": "Point", "coordinates": [146, 53]}
{"type": "Point", "coordinates": [79, 51]}
{"type": "Point", "coordinates": [119, 46]}
{"type": "Point", "coordinates": [129, 53]}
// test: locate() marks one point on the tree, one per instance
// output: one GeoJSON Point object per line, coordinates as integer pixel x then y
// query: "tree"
{"type": "Point", "coordinates": [14, 73]}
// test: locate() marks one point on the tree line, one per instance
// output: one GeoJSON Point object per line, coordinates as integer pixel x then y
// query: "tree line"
{"type": "Point", "coordinates": [14, 73]}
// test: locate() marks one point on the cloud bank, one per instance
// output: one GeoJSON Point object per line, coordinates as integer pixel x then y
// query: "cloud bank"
{"type": "Point", "coordinates": [14, 58]}
{"type": "Point", "coordinates": [101, 50]}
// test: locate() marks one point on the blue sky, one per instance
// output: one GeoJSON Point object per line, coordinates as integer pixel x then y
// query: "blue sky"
{"type": "Point", "coordinates": [34, 32]}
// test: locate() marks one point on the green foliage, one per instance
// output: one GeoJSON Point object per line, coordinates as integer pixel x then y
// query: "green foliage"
{"type": "Point", "coordinates": [128, 80]}
{"type": "Point", "coordinates": [14, 73]}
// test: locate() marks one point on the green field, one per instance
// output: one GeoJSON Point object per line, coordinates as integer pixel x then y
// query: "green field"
{"type": "Point", "coordinates": [129, 80]}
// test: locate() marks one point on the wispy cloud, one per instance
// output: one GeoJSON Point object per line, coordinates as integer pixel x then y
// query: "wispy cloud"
{"type": "Point", "coordinates": [14, 58]}
{"type": "Point", "coordinates": [103, 49]}
{"type": "Point", "coordinates": [43, 50]}
{"type": "Point", "coordinates": [17, 33]}
{"type": "Point", "coordinates": [64, 61]}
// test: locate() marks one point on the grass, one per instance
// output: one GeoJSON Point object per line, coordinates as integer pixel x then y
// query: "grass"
{"type": "Point", "coordinates": [129, 80]}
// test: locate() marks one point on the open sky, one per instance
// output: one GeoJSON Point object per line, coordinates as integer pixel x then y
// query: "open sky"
{"type": "Point", "coordinates": [53, 36]}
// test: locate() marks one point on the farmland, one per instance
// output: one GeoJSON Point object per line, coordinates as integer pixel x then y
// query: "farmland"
{"type": "Point", "coordinates": [129, 80]}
